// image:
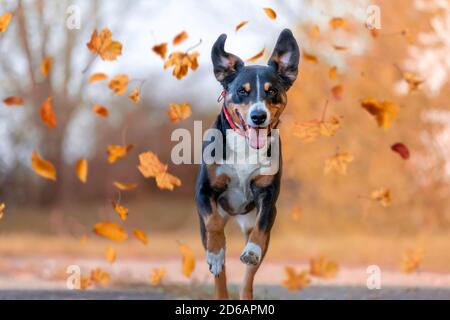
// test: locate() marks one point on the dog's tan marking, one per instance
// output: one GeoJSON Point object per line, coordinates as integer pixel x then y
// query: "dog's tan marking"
{"type": "Point", "coordinates": [263, 180]}
{"type": "Point", "coordinates": [267, 86]}
{"type": "Point", "coordinates": [246, 292]}
{"type": "Point", "coordinates": [217, 181]}
{"type": "Point", "coordinates": [247, 86]}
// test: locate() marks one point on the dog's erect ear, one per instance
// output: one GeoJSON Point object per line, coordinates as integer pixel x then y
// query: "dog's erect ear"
{"type": "Point", "coordinates": [226, 65]}
{"type": "Point", "coordinates": [285, 58]}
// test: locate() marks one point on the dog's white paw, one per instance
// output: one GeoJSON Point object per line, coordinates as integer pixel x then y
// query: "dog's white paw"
{"type": "Point", "coordinates": [216, 261]}
{"type": "Point", "coordinates": [251, 254]}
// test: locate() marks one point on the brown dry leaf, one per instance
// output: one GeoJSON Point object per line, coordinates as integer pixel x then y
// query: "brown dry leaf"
{"type": "Point", "coordinates": [2, 209]}
{"type": "Point", "coordinates": [338, 163]}
{"type": "Point", "coordinates": [383, 196]}
{"type": "Point", "coordinates": [257, 56]}
{"type": "Point", "coordinates": [141, 236]}
{"type": "Point", "coordinates": [13, 101]}
{"type": "Point", "coordinates": [111, 231]}
{"type": "Point", "coordinates": [102, 44]}
{"type": "Point", "coordinates": [48, 116]}
{"type": "Point", "coordinates": [119, 84]}
{"type": "Point", "coordinates": [160, 50]}
{"type": "Point", "coordinates": [384, 112]}
{"type": "Point", "coordinates": [270, 13]}
{"type": "Point", "coordinates": [188, 260]}
{"type": "Point", "coordinates": [332, 73]}
{"type": "Point", "coordinates": [150, 166]}
{"type": "Point", "coordinates": [296, 280]}
{"type": "Point", "coordinates": [413, 81]}
{"type": "Point", "coordinates": [315, 31]}
{"type": "Point", "coordinates": [125, 186]}
{"type": "Point", "coordinates": [336, 23]}
{"type": "Point", "coordinates": [167, 181]}
{"type": "Point", "coordinates": [120, 210]}
{"type": "Point", "coordinates": [5, 19]}
{"type": "Point", "coordinates": [296, 214]}
{"type": "Point", "coordinates": [97, 77]}
{"type": "Point", "coordinates": [310, 58]}
{"type": "Point", "coordinates": [181, 62]}
{"type": "Point", "coordinates": [179, 112]}
{"type": "Point", "coordinates": [135, 95]}
{"type": "Point", "coordinates": [337, 91]}
{"type": "Point", "coordinates": [402, 150]}
{"type": "Point", "coordinates": [81, 170]}
{"type": "Point", "coordinates": [116, 152]}
{"type": "Point", "coordinates": [43, 167]}
{"type": "Point", "coordinates": [179, 38]}
{"type": "Point", "coordinates": [323, 268]}
{"type": "Point", "coordinates": [100, 277]}
{"type": "Point", "coordinates": [100, 110]}
{"type": "Point", "coordinates": [157, 275]}
{"type": "Point", "coordinates": [412, 260]}
{"type": "Point", "coordinates": [110, 254]}
{"type": "Point", "coordinates": [240, 25]}
{"type": "Point", "coordinates": [46, 66]}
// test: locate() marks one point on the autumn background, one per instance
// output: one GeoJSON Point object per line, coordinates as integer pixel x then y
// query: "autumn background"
{"type": "Point", "coordinates": [348, 199]}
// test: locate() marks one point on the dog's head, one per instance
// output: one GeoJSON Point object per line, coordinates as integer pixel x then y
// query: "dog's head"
{"type": "Point", "coordinates": [256, 95]}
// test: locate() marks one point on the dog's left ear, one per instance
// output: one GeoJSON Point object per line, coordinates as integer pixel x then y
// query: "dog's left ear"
{"type": "Point", "coordinates": [285, 58]}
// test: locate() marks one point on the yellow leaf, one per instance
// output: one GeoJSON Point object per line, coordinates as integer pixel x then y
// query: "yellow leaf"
{"type": "Point", "coordinates": [296, 214]}
{"type": "Point", "coordinates": [413, 81]}
{"type": "Point", "coordinates": [100, 277]}
{"type": "Point", "coordinates": [13, 101]}
{"type": "Point", "coordinates": [100, 110]}
{"type": "Point", "coordinates": [383, 196]}
{"type": "Point", "coordinates": [412, 260]}
{"type": "Point", "coordinates": [110, 254]}
{"type": "Point", "coordinates": [329, 127]}
{"type": "Point", "coordinates": [167, 181]}
{"type": "Point", "coordinates": [308, 131]}
{"type": "Point", "coordinates": [181, 62]}
{"type": "Point", "coordinates": [310, 58]}
{"type": "Point", "coordinates": [188, 260]}
{"type": "Point", "coordinates": [315, 31]}
{"type": "Point", "coordinates": [296, 280]}
{"type": "Point", "coordinates": [157, 275]}
{"type": "Point", "coordinates": [116, 152]}
{"type": "Point", "coordinates": [332, 73]}
{"type": "Point", "coordinates": [2, 209]}
{"type": "Point", "coordinates": [111, 231]}
{"type": "Point", "coordinates": [240, 25]}
{"type": "Point", "coordinates": [150, 166]}
{"type": "Point", "coordinates": [256, 56]}
{"type": "Point", "coordinates": [384, 112]}
{"type": "Point", "coordinates": [336, 23]}
{"type": "Point", "coordinates": [141, 236]}
{"type": "Point", "coordinates": [82, 170]}
{"type": "Point", "coordinates": [160, 50]}
{"type": "Point", "coordinates": [119, 84]}
{"type": "Point", "coordinates": [48, 116]}
{"type": "Point", "coordinates": [270, 13]}
{"type": "Point", "coordinates": [338, 163]}
{"type": "Point", "coordinates": [85, 283]}
{"type": "Point", "coordinates": [5, 19]}
{"type": "Point", "coordinates": [179, 38]}
{"type": "Point", "coordinates": [125, 186]}
{"type": "Point", "coordinates": [134, 95]}
{"type": "Point", "coordinates": [46, 66]}
{"type": "Point", "coordinates": [179, 112]}
{"type": "Point", "coordinates": [103, 45]}
{"type": "Point", "coordinates": [321, 267]}
{"type": "Point", "coordinates": [43, 167]}
{"type": "Point", "coordinates": [97, 77]}
{"type": "Point", "coordinates": [120, 210]}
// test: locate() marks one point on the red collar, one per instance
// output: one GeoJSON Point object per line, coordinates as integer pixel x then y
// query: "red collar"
{"type": "Point", "coordinates": [230, 121]}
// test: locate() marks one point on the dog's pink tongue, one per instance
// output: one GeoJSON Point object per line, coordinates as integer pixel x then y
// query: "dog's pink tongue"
{"type": "Point", "coordinates": [257, 138]}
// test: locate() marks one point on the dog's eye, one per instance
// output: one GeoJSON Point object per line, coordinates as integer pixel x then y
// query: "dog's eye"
{"type": "Point", "coordinates": [242, 92]}
{"type": "Point", "coordinates": [272, 92]}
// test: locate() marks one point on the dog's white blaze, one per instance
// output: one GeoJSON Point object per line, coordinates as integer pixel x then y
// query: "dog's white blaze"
{"type": "Point", "coordinates": [216, 261]}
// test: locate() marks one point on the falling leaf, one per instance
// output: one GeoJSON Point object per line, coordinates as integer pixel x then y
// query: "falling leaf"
{"type": "Point", "coordinates": [5, 19]}
{"type": "Point", "coordinates": [256, 56]}
{"type": "Point", "coordinates": [48, 116]}
{"type": "Point", "coordinates": [116, 152]}
{"type": "Point", "coordinates": [181, 62]}
{"type": "Point", "coordinates": [296, 280]}
{"type": "Point", "coordinates": [97, 77]}
{"type": "Point", "coordinates": [336, 23]}
{"type": "Point", "coordinates": [240, 25]}
{"type": "Point", "coordinates": [321, 267]}
{"type": "Point", "coordinates": [110, 254]}
{"type": "Point", "coordinates": [43, 167]}
{"type": "Point", "coordinates": [46, 66]}
{"type": "Point", "coordinates": [332, 73]}
{"type": "Point", "coordinates": [373, 32]}
{"type": "Point", "coordinates": [141, 236]}
{"type": "Point", "coordinates": [179, 38]}
{"type": "Point", "coordinates": [100, 110]}
{"type": "Point", "coordinates": [402, 150]}
{"type": "Point", "coordinates": [337, 91]}
{"type": "Point", "coordinates": [413, 81]}
{"type": "Point", "coordinates": [111, 231]}
{"type": "Point", "coordinates": [120, 210]}
{"type": "Point", "coordinates": [85, 283]}
{"type": "Point", "coordinates": [339, 48]}
{"type": "Point", "coordinates": [157, 275]}
{"type": "Point", "coordinates": [296, 214]}
{"type": "Point", "coordinates": [383, 196]}
{"type": "Point", "coordinates": [310, 58]}
{"type": "Point", "coordinates": [338, 163]}
{"type": "Point", "coordinates": [102, 44]}
{"type": "Point", "coordinates": [167, 181]}
{"type": "Point", "coordinates": [100, 277]}
{"type": "Point", "coordinates": [151, 167]}
{"type": "Point", "coordinates": [270, 13]}
{"type": "Point", "coordinates": [188, 260]}
{"type": "Point", "coordinates": [315, 31]}
{"type": "Point", "coordinates": [412, 260]}
{"type": "Point", "coordinates": [2, 209]}
{"type": "Point", "coordinates": [135, 96]}
{"type": "Point", "coordinates": [160, 50]}
{"type": "Point", "coordinates": [13, 101]}
{"type": "Point", "coordinates": [308, 131]}
{"type": "Point", "coordinates": [384, 112]}
{"type": "Point", "coordinates": [125, 186]}
{"type": "Point", "coordinates": [119, 84]}
{"type": "Point", "coordinates": [179, 112]}
{"type": "Point", "coordinates": [81, 170]}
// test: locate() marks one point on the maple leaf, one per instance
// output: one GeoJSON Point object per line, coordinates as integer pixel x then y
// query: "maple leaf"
{"type": "Point", "coordinates": [338, 163]}
{"type": "Point", "coordinates": [179, 38]}
{"type": "Point", "coordinates": [102, 44]}
{"type": "Point", "coordinates": [179, 112]}
{"type": "Point", "coordinates": [257, 56]}
{"type": "Point", "coordinates": [119, 84]}
{"type": "Point", "coordinates": [2, 209]}
{"type": "Point", "coordinates": [181, 62]}
{"type": "Point", "coordinates": [100, 110]}
{"type": "Point", "coordinates": [111, 231]}
{"type": "Point", "coordinates": [384, 112]}
{"type": "Point", "coordinates": [402, 150]}
{"type": "Point", "coordinates": [135, 96]}
{"type": "Point", "coordinates": [13, 101]}
{"type": "Point", "coordinates": [120, 210]}
{"type": "Point", "coordinates": [187, 261]}
{"type": "Point", "coordinates": [125, 186]}
{"type": "Point", "coordinates": [412, 260]}
{"type": "Point", "coordinates": [48, 116]}
{"type": "Point", "coordinates": [5, 19]}
{"type": "Point", "coordinates": [270, 13]}
{"type": "Point", "coordinates": [240, 25]}
{"type": "Point", "coordinates": [81, 170]}
{"type": "Point", "coordinates": [97, 77]}
{"type": "Point", "coordinates": [116, 152]}
{"type": "Point", "coordinates": [321, 267]}
{"type": "Point", "coordinates": [383, 196]}
{"type": "Point", "coordinates": [157, 275]}
{"type": "Point", "coordinates": [160, 50]}
{"type": "Point", "coordinates": [141, 236]}
{"type": "Point", "coordinates": [413, 81]}
{"type": "Point", "coordinates": [296, 280]}
{"type": "Point", "coordinates": [110, 254]}
{"type": "Point", "coordinates": [338, 22]}
{"type": "Point", "coordinates": [43, 167]}
{"type": "Point", "coordinates": [46, 66]}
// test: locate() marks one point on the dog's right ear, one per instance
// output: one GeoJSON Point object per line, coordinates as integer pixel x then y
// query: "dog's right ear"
{"type": "Point", "coordinates": [226, 65]}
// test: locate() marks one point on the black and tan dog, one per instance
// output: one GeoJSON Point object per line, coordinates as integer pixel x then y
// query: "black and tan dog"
{"type": "Point", "coordinates": [254, 98]}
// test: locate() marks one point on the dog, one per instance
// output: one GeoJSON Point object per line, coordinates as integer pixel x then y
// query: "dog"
{"type": "Point", "coordinates": [254, 98]}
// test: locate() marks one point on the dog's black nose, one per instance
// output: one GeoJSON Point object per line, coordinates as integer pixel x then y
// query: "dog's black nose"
{"type": "Point", "coordinates": [258, 117]}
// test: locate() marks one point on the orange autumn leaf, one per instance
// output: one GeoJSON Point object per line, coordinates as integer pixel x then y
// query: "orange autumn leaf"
{"type": "Point", "coordinates": [141, 236]}
{"type": "Point", "coordinates": [240, 25]}
{"type": "Point", "coordinates": [338, 163]}
{"type": "Point", "coordinates": [332, 73]}
{"type": "Point", "coordinates": [5, 19]}
{"type": "Point", "coordinates": [187, 261]}
{"type": "Point", "coordinates": [48, 116]}
{"type": "Point", "coordinates": [2, 209]}
{"type": "Point", "coordinates": [46, 66]}
{"type": "Point", "coordinates": [102, 44]}
{"type": "Point", "coordinates": [116, 152]}
{"type": "Point", "coordinates": [43, 167]}
{"type": "Point", "coordinates": [110, 254]}
{"type": "Point", "coordinates": [413, 81]}
{"type": "Point", "coordinates": [382, 196]}
{"type": "Point", "coordinates": [160, 50]}
{"type": "Point", "coordinates": [85, 283]}
{"type": "Point", "coordinates": [179, 112]}
{"type": "Point", "coordinates": [257, 56]}
{"type": "Point", "coordinates": [270, 13]}
{"type": "Point", "coordinates": [323, 268]}
{"type": "Point", "coordinates": [167, 181]}
{"type": "Point", "coordinates": [100, 110]}
{"type": "Point", "coordinates": [179, 38]}
{"type": "Point", "coordinates": [13, 101]}
{"type": "Point", "coordinates": [337, 91]}
{"type": "Point", "coordinates": [308, 131]}
{"type": "Point", "coordinates": [111, 230]}
{"type": "Point", "coordinates": [81, 170]}
{"type": "Point", "coordinates": [135, 96]}
{"type": "Point", "coordinates": [119, 84]}
{"type": "Point", "coordinates": [157, 275]}
{"type": "Point", "coordinates": [100, 277]}
{"type": "Point", "coordinates": [310, 58]}
{"type": "Point", "coordinates": [412, 260]}
{"type": "Point", "coordinates": [125, 186]}
{"type": "Point", "coordinates": [97, 77]}
{"type": "Point", "coordinates": [315, 31]}
{"type": "Point", "coordinates": [182, 62]}
{"type": "Point", "coordinates": [384, 112]}
{"type": "Point", "coordinates": [151, 167]}
{"type": "Point", "coordinates": [120, 210]}
{"type": "Point", "coordinates": [336, 23]}
{"type": "Point", "coordinates": [339, 48]}
{"type": "Point", "coordinates": [296, 280]}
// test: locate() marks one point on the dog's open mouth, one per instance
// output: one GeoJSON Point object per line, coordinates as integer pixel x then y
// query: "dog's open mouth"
{"type": "Point", "coordinates": [257, 136]}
